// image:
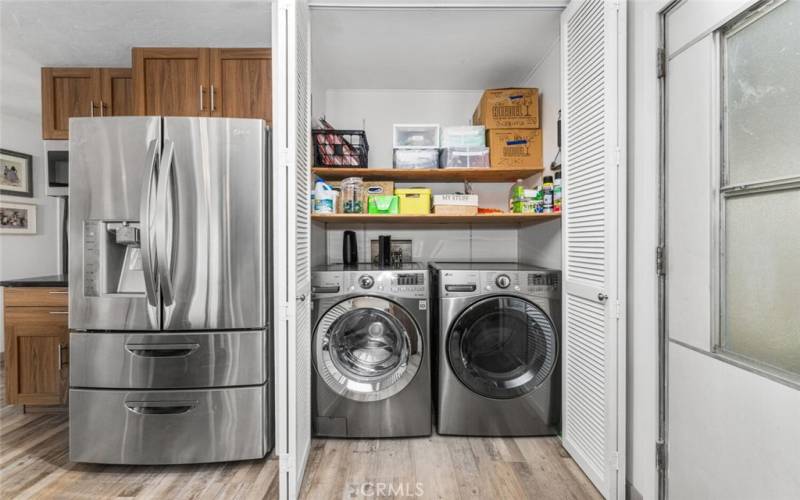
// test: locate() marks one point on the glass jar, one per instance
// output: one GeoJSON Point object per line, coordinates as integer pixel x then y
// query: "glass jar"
{"type": "Point", "coordinates": [353, 195]}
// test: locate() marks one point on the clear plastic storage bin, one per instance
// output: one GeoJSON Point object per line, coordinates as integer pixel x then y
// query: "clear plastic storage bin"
{"type": "Point", "coordinates": [416, 136]}
{"type": "Point", "coordinates": [464, 157]}
{"type": "Point", "coordinates": [468, 136]}
{"type": "Point", "coordinates": [416, 158]}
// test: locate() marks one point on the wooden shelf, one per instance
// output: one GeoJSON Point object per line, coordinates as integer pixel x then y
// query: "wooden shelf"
{"type": "Point", "coordinates": [503, 218]}
{"type": "Point", "coordinates": [428, 174]}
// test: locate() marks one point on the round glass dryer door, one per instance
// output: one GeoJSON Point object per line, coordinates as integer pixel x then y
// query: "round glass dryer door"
{"type": "Point", "coordinates": [502, 347]}
{"type": "Point", "coordinates": [367, 348]}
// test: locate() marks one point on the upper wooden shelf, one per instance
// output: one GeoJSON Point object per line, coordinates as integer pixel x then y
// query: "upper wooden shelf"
{"type": "Point", "coordinates": [428, 174]}
{"type": "Point", "coordinates": [501, 218]}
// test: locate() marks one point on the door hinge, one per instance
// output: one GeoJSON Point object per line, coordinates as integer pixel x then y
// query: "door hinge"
{"type": "Point", "coordinates": [661, 261]}
{"type": "Point", "coordinates": [661, 456]}
{"type": "Point", "coordinates": [661, 63]}
{"type": "Point", "coordinates": [619, 310]}
{"type": "Point", "coordinates": [615, 460]}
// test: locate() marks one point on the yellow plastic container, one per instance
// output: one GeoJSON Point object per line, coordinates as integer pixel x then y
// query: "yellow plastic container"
{"type": "Point", "coordinates": [414, 201]}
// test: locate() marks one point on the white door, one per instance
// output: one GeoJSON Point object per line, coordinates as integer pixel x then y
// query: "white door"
{"type": "Point", "coordinates": [291, 153]}
{"type": "Point", "coordinates": [732, 279]}
{"type": "Point", "coordinates": [593, 104]}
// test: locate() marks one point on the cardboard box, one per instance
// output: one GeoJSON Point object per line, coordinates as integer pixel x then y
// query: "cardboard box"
{"type": "Point", "coordinates": [515, 148]}
{"type": "Point", "coordinates": [508, 108]}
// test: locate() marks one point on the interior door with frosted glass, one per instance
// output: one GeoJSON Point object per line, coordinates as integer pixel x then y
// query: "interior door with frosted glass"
{"type": "Point", "coordinates": [291, 194]}
{"type": "Point", "coordinates": [731, 233]}
{"type": "Point", "coordinates": [593, 103]}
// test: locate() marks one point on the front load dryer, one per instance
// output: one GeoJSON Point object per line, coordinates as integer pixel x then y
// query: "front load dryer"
{"type": "Point", "coordinates": [371, 351]}
{"type": "Point", "coordinates": [497, 336]}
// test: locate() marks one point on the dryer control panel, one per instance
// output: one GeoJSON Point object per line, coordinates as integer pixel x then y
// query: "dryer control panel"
{"type": "Point", "coordinates": [464, 283]}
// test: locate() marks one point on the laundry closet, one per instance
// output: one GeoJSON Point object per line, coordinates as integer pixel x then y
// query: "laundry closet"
{"type": "Point", "coordinates": [370, 69]}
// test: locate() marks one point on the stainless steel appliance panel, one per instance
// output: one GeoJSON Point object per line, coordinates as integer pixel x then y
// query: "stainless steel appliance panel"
{"type": "Point", "coordinates": [211, 194]}
{"type": "Point", "coordinates": [110, 161]}
{"type": "Point", "coordinates": [167, 360]}
{"type": "Point", "coordinates": [167, 427]}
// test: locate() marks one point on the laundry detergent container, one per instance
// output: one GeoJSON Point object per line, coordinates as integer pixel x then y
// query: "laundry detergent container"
{"type": "Point", "coordinates": [414, 201]}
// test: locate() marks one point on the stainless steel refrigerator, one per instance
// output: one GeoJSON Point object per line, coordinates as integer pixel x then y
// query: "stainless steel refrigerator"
{"type": "Point", "coordinates": [169, 280]}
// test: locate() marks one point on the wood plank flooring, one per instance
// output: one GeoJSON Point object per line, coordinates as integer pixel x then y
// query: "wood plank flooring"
{"type": "Point", "coordinates": [444, 467]}
{"type": "Point", "coordinates": [34, 464]}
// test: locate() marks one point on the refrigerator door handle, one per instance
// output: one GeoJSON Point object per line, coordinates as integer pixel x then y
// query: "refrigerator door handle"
{"type": "Point", "coordinates": [165, 222]}
{"type": "Point", "coordinates": [145, 225]}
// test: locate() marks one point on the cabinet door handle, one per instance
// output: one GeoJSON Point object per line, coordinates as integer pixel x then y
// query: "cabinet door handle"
{"type": "Point", "coordinates": [91, 109]}
{"type": "Point", "coordinates": [60, 357]}
{"type": "Point", "coordinates": [213, 108]}
{"type": "Point", "coordinates": [201, 98]}
{"type": "Point", "coordinates": [101, 108]}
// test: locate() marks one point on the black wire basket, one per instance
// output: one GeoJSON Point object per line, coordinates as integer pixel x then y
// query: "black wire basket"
{"type": "Point", "coordinates": [340, 148]}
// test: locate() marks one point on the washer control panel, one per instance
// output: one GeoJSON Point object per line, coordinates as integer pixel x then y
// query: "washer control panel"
{"type": "Point", "coordinates": [405, 284]}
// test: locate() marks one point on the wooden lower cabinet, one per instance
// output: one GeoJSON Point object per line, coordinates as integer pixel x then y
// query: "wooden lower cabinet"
{"type": "Point", "coordinates": [37, 350]}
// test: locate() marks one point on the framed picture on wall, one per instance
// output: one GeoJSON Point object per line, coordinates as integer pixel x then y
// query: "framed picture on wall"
{"type": "Point", "coordinates": [17, 218]}
{"type": "Point", "coordinates": [16, 173]}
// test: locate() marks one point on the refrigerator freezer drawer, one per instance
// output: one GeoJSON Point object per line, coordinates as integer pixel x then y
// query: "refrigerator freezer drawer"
{"type": "Point", "coordinates": [167, 427]}
{"type": "Point", "coordinates": [168, 360]}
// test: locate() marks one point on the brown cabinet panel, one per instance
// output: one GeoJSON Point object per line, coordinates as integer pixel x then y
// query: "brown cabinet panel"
{"type": "Point", "coordinates": [36, 296]}
{"type": "Point", "coordinates": [241, 82]}
{"type": "Point", "coordinates": [37, 364]}
{"type": "Point", "coordinates": [117, 86]}
{"type": "Point", "coordinates": [172, 82]}
{"type": "Point", "coordinates": [67, 93]}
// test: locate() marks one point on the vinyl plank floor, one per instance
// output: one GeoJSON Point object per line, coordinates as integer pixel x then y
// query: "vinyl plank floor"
{"type": "Point", "coordinates": [444, 467]}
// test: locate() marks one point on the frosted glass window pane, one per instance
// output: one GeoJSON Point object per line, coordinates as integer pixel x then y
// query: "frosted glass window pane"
{"type": "Point", "coordinates": [762, 278]}
{"type": "Point", "coordinates": [763, 97]}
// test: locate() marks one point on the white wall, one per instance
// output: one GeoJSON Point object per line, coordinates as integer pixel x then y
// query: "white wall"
{"type": "Point", "coordinates": [21, 130]}
{"type": "Point", "coordinates": [541, 244]}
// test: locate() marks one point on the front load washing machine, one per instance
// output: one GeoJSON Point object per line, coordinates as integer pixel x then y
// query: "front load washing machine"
{"type": "Point", "coordinates": [497, 330]}
{"type": "Point", "coordinates": [371, 351]}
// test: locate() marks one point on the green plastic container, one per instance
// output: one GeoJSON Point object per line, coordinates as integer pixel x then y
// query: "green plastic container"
{"type": "Point", "coordinates": [383, 204]}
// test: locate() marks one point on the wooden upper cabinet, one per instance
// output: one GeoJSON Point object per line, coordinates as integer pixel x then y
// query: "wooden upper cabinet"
{"type": "Point", "coordinates": [171, 81]}
{"type": "Point", "coordinates": [74, 92]}
{"type": "Point", "coordinates": [241, 83]}
{"type": "Point", "coordinates": [68, 93]}
{"type": "Point", "coordinates": [117, 91]}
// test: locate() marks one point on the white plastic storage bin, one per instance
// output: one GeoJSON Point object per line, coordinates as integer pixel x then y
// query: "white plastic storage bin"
{"type": "Point", "coordinates": [464, 157]}
{"type": "Point", "coordinates": [416, 158]}
{"type": "Point", "coordinates": [416, 136]}
{"type": "Point", "coordinates": [469, 136]}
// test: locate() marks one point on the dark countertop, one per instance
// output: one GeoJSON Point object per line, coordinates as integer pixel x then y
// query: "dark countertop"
{"type": "Point", "coordinates": [56, 280]}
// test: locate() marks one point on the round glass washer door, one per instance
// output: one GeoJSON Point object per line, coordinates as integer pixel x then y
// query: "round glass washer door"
{"type": "Point", "coordinates": [367, 348]}
{"type": "Point", "coordinates": [502, 347]}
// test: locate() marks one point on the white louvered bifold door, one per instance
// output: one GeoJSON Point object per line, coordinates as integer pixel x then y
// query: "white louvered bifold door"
{"type": "Point", "coordinates": [292, 131]}
{"type": "Point", "coordinates": [593, 337]}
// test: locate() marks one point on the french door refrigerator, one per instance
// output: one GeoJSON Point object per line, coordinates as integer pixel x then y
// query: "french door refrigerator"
{"type": "Point", "coordinates": [170, 343]}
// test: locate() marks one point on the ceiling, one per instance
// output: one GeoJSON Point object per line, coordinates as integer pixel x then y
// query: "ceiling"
{"type": "Point", "coordinates": [421, 48]}
{"type": "Point", "coordinates": [101, 33]}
